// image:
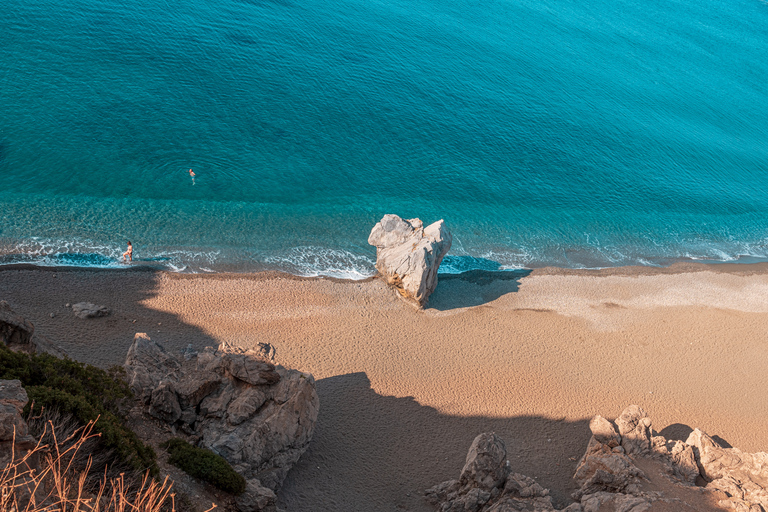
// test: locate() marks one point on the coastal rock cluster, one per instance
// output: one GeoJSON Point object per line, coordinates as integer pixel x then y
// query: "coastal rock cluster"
{"type": "Point", "coordinates": [258, 416]}
{"type": "Point", "coordinates": [408, 254]}
{"type": "Point", "coordinates": [609, 476]}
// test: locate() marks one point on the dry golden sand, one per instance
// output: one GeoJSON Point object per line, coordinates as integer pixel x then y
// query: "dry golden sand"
{"type": "Point", "coordinates": [403, 392]}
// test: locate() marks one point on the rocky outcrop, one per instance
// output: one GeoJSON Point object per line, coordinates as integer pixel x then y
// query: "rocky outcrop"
{"type": "Point", "coordinates": [19, 334]}
{"type": "Point", "coordinates": [88, 310]}
{"type": "Point", "coordinates": [742, 476]}
{"type": "Point", "coordinates": [487, 483]}
{"type": "Point", "coordinates": [609, 475]}
{"type": "Point", "coordinates": [258, 416]}
{"type": "Point", "coordinates": [408, 254]}
{"type": "Point", "coordinates": [13, 427]}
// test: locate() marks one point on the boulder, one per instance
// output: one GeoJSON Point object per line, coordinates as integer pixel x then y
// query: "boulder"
{"type": "Point", "coordinates": [258, 416]}
{"type": "Point", "coordinates": [408, 255]}
{"type": "Point", "coordinates": [88, 310]}
{"type": "Point", "coordinates": [486, 483]}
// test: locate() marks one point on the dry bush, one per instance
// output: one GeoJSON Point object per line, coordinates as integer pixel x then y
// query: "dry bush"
{"type": "Point", "coordinates": [45, 479]}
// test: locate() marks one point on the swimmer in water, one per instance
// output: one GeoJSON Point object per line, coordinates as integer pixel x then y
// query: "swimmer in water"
{"type": "Point", "coordinates": [192, 174]}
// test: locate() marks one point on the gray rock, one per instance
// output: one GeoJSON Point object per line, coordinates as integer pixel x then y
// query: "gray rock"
{"type": "Point", "coordinates": [485, 466]}
{"type": "Point", "coordinates": [408, 255]}
{"type": "Point", "coordinates": [13, 398]}
{"type": "Point", "coordinates": [635, 429]}
{"type": "Point", "coordinates": [487, 485]}
{"type": "Point", "coordinates": [250, 369]}
{"type": "Point", "coordinates": [88, 310]}
{"type": "Point", "coordinates": [256, 498]}
{"type": "Point", "coordinates": [147, 364]}
{"type": "Point", "coordinates": [193, 388]}
{"type": "Point", "coordinates": [604, 432]}
{"type": "Point", "coordinates": [258, 416]}
{"type": "Point", "coordinates": [743, 476]}
{"type": "Point", "coordinates": [164, 404]}
{"type": "Point", "coordinates": [602, 469]}
{"type": "Point", "coordinates": [615, 502]}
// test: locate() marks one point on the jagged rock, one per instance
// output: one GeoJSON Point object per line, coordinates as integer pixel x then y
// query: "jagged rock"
{"type": "Point", "coordinates": [607, 501]}
{"type": "Point", "coordinates": [678, 457]}
{"type": "Point", "coordinates": [13, 398]}
{"type": "Point", "coordinates": [603, 468]}
{"type": "Point", "coordinates": [258, 416]}
{"type": "Point", "coordinates": [147, 364]}
{"type": "Point", "coordinates": [250, 369]}
{"type": "Point", "coordinates": [408, 255]}
{"type": "Point", "coordinates": [164, 403]}
{"type": "Point", "coordinates": [485, 466]}
{"type": "Point", "coordinates": [604, 432]}
{"type": "Point", "coordinates": [635, 429]}
{"type": "Point", "coordinates": [88, 310]}
{"type": "Point", "coordinates": [486, 483]}
{"type": "Point", "coordinates": [256, 498]}
{"type": "Point", "coordinates": [743, 476]}
{"type": "Point", "coordinates": [19, 334]}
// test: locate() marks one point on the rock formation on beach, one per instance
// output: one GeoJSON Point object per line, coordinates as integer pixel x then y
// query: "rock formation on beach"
{"type": "Point", "coordinates": [408, 254]}
{"type": "Point", "coordinates": [609, 476]}
{"type": "Point", "coordinates": [258, 416]}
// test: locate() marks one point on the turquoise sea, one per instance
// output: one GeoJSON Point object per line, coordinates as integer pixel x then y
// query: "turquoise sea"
{"type": "Point", "coordinates": [587, 133]}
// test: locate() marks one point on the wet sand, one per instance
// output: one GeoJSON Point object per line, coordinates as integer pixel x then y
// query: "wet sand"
{"type": "Point", "coordinates": [529, 355]}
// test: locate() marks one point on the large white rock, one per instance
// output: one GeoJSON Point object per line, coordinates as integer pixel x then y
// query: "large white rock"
{"type": "Point", "coordinates": [408, 254]}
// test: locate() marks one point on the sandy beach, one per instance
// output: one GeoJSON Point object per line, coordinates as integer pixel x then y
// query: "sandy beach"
{"type": "Point", "coordinates": [529, 355]}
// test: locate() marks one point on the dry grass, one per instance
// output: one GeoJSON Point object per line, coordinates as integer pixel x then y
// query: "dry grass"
{"type": "Point", "coordinates": [45, 479]}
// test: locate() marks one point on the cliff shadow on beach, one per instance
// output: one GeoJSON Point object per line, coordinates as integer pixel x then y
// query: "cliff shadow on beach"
{"type": "Point", "coordinates": [41, 295]}
{"type": "Point", "coordinates": [474, 288]}
{"type": "Point", "coordinates": [380, 453]}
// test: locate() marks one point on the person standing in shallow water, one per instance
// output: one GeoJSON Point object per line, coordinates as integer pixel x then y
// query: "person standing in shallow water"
{"type": "Point", "coordinates": [129, 252]}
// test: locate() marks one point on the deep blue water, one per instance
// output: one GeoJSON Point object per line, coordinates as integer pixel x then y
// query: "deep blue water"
{"type": "Point", "coordinates": [585, 133]}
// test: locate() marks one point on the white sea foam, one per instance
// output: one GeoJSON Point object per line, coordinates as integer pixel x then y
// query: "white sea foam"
{"type": "Point", "coordinates": [312, 261]}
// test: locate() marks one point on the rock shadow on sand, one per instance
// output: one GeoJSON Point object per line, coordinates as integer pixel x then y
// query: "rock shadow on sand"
{"type": "Point", "coordinates": [40, 295]}
{"type": "Point", "coordinates": [474, 288]}
{"type": "Point", "coordinates": [380, 453]}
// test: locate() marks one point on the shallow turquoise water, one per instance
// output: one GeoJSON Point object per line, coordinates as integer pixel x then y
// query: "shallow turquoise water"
{"type": "Point", "coordinates": [578, 134]}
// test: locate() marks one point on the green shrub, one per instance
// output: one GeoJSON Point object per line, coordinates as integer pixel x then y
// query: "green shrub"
{"type": "Point", "coordinates": [85, 392]}
{"type": "Point", "coordinates": [205, 465]}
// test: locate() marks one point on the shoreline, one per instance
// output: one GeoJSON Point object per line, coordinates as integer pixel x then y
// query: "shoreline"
{"type": "Point", "coordinates": [532, 355]}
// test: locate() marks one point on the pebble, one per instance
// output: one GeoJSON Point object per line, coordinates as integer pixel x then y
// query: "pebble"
{"type": "Point", "coordinates": [52, 315]}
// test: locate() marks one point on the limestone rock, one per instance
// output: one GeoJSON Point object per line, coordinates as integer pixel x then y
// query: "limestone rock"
{"type": "Point", "coordinates": [602, 468]}
{"type": "Point", "coordinates": [604, 432]}
{"type": "Point", "coordinates": [13, 398]}
{"type": "Point", "coordinates": [485, 465]}
{"type": "Point", "coordinates": [147, 364]}
{"type": "Point", "coordinates": [164, 404]}
{"type": "Point", "coordinates": [743, 476]}
{"type": "Point", "coordinates": [250, 369]}
{"type": "Point", "coordinates": [88, 310]}
{"type": "Point", "coordinates": [408, 255]}
{"type": "Point", "coordinates": [486, 483]}
{"type": "Point", "coordinates": [605, 501]}
{"type": "Point", "coordinates": [635, 429]}
{"type": "Point", "coordinates": [256, 498]}
{"type": "Point", "coordinates": [258, 416]}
